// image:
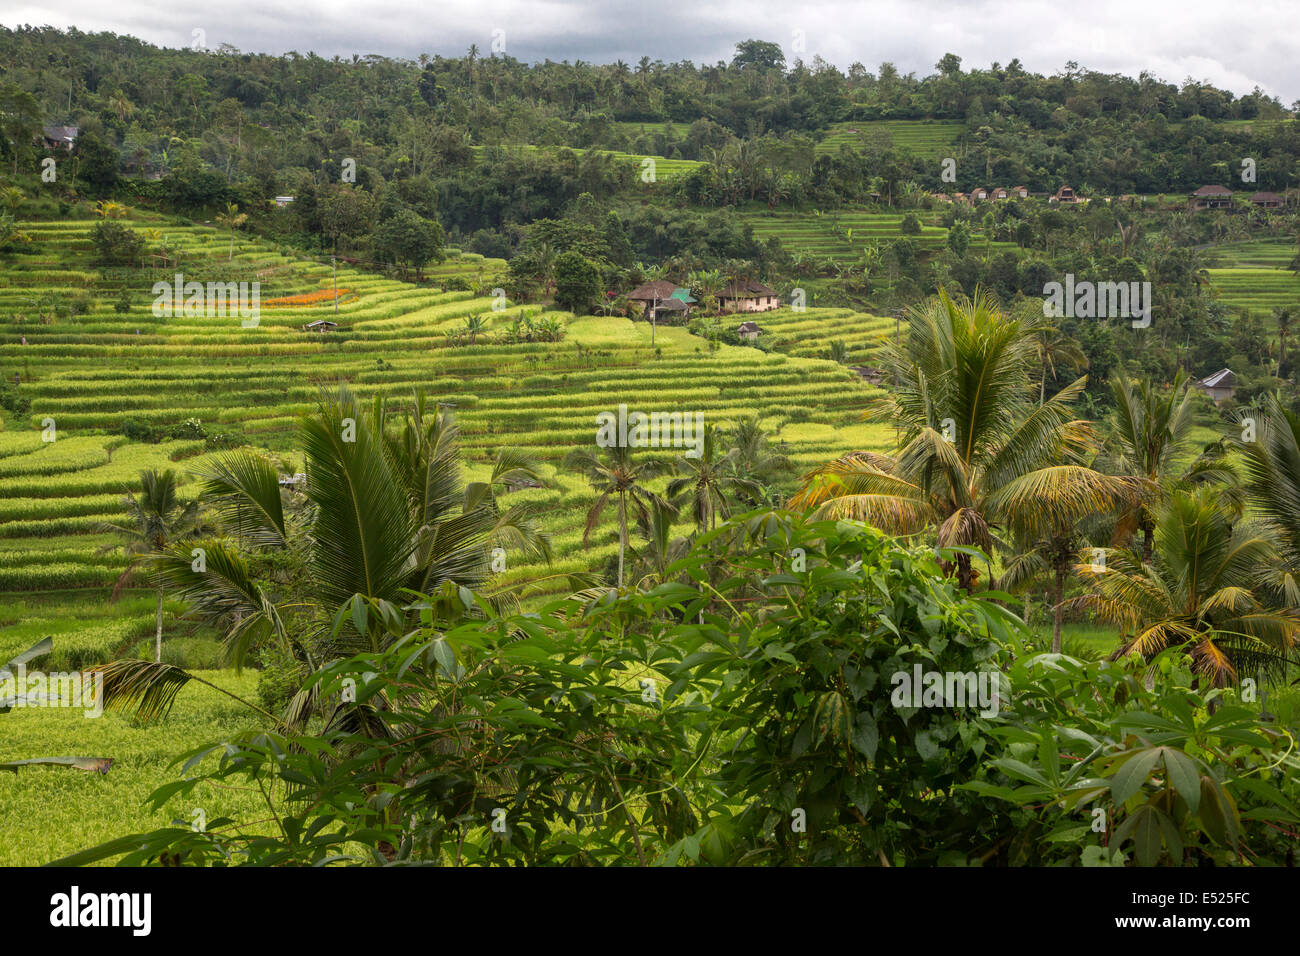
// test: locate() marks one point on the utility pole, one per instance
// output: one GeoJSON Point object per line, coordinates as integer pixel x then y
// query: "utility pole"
{"type": "Point", "coordinates": [654, 307]}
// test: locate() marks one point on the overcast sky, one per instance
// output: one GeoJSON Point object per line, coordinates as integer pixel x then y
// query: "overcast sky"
{"type": "Point", "coordinates": [1236, 46]}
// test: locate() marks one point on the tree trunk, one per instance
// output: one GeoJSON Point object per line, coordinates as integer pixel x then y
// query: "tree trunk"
{"type": "Point", "coordinates": [965, 579]}
{"type": "Point", "coordinates": [1057, 611]}
{"type": "Point", "coordinates": [158, 632]}
{"type": "Point", "coordinates": [622, 535]}
{"type": "Point", "coordinates": [1148, 543]}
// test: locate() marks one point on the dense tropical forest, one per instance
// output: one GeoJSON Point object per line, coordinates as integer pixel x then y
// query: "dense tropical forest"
{"type": "Point", "coordinates": [473, 524]}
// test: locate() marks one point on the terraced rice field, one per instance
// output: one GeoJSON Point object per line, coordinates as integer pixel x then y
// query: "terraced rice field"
{"type": "Point", "coordinates": [926, 138]}
{"type": "Point", "coordinates": [842, 234]}
{"type": "Point", "coordinates": [809, 334]}
{"type": "Point", "coordinates": [91, 372]}
{"type": "Point", "coordinates": [665, 168]}
{"type": "Point", "coordinates": [1254, 275]}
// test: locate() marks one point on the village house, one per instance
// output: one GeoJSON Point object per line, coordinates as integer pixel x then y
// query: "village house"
{"type": "Point", "coordinates": [749, 331]}
{"type": "Point", "coordinates": [1020, 192]}
{"type": "Point", "coordinates": [746, 295]}
{"type": "Point", "coordinates": [1265, 200]}
{"type": "Point", "coordinates": [1066, 196]}
{"type": "Point", "coordinates": [979, 194]}
{"type": "Point", "coordinates": [1000, 192]}
{"type": "Point", "coordinates": [662, 299]}
{"type": "Point", "coordinates": [1211, 197]}
{"type": "Point", "coordinates": [1219, 386]}
{"type": "Point", "coordinates": [59, 137]}
{"type": "Point", "coordinates": [320, 325]}
{"type": "Point", "coordinates": [282, 201]}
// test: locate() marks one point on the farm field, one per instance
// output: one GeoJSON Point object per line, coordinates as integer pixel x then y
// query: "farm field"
{"type": "Point", "coordinates": [1255, 275]}
{"type": "Point", "coordinates": [665, 167]}
{"type": "Point", "coordinates": [840, 235]}
{"type": "Point", "coordinates": [927, 138]}
{"type": "Point", "coordinates": [94, 371]}
{"type": "Point", "coordinates": [843, 235]}
{"type": "Point", "coordinates": [809, 334]}
{"type": "Point", "coordinates": [50, 812]}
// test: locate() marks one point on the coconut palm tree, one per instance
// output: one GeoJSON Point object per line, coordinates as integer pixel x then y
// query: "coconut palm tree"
{"type": "Point", "coordinates": [650, 562]}
{"type": "Point", "coordinates": [1198, 592]}
{"type": "Point", "coordinates": [155, 520]}
{"type": "Point", "coordinates": [1049, 551]}
{"type": "Point", "coordinates": [12, 197]}
{"type": "Point", "coordinates": [706, 482]}
{"type": "Point", "coordinates": [754, 458]}
{"type": "Point", "coordinates": [384, 513]}
{"type": "Point", "coordinates": [1283, 318]}
{"type": "Point", "coordinates": [977, 456]}
{"type": "Point", "coordinates": [1150, 436]}
{"type": "Point", "coordinates": [1271, 465]}
{"type": "Point", "coordinates": [615, 476]}
{"type": "Point", "coordinates": [1056, 348]}
{"type": "Point", "coordinates": [232, 219]}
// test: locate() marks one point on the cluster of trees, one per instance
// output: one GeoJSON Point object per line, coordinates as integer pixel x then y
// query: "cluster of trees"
{"type": "Point", "coordinates": [1192, 328]}
{"type": "Point", "coordinates": [180, 112]}
{"type": "Point", "coordinates": [1174, 547]}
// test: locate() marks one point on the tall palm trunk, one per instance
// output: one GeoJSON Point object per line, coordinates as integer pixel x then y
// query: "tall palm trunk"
{"type": "Point", "coordinates": [965, 573]}
{"type": "Point", "coordinates": [1058, 595]}
{"type": "Point", "coordinates": [158, 631]}
{"type": "Point", "coordinates": [622, 533]}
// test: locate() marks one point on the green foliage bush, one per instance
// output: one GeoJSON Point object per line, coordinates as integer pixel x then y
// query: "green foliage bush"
{"type": "Point", "coordinates": [747, 721]}
{"type": "Point", "coordinates": [117, 245]}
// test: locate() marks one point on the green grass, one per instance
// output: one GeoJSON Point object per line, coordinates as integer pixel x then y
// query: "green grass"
{"type": "Point", "coordinates": [50, 812]}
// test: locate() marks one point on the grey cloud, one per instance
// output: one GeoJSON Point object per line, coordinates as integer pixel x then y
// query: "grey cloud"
{"type": "Point", "coordinates": [1172, 39]}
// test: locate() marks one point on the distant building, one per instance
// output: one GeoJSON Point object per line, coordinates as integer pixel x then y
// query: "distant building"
{"type": "Point", "coordinates": [282, 201]}
{"type": "Point", "coordinates": [293, 482]}
{"type": "Point", "coordinates": [749, 331]}
{"type": "Point", "coordinates": [1267, 201]}
{"type": "Point", "coordinates": [1000, 192]}
{"type": "Point", "coordinates": [59, 137]}
{"type": "Point", "coordinates": [979, 194]}
{"type": "Point", "coordinates": [1219, 386]}
{"type": "Point", "coordinates": [1066, 196]}
{"type": "Point", "coordinates": [1211, 197]}
{"type": "Point", "coordinates": [662, 299]}
{"type": "Point", "coordinates": [1020, 192]}
{"type": "Point", "coordinates": [747, 295]}
{"type": "Point", "coordinates": [320, 325]}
